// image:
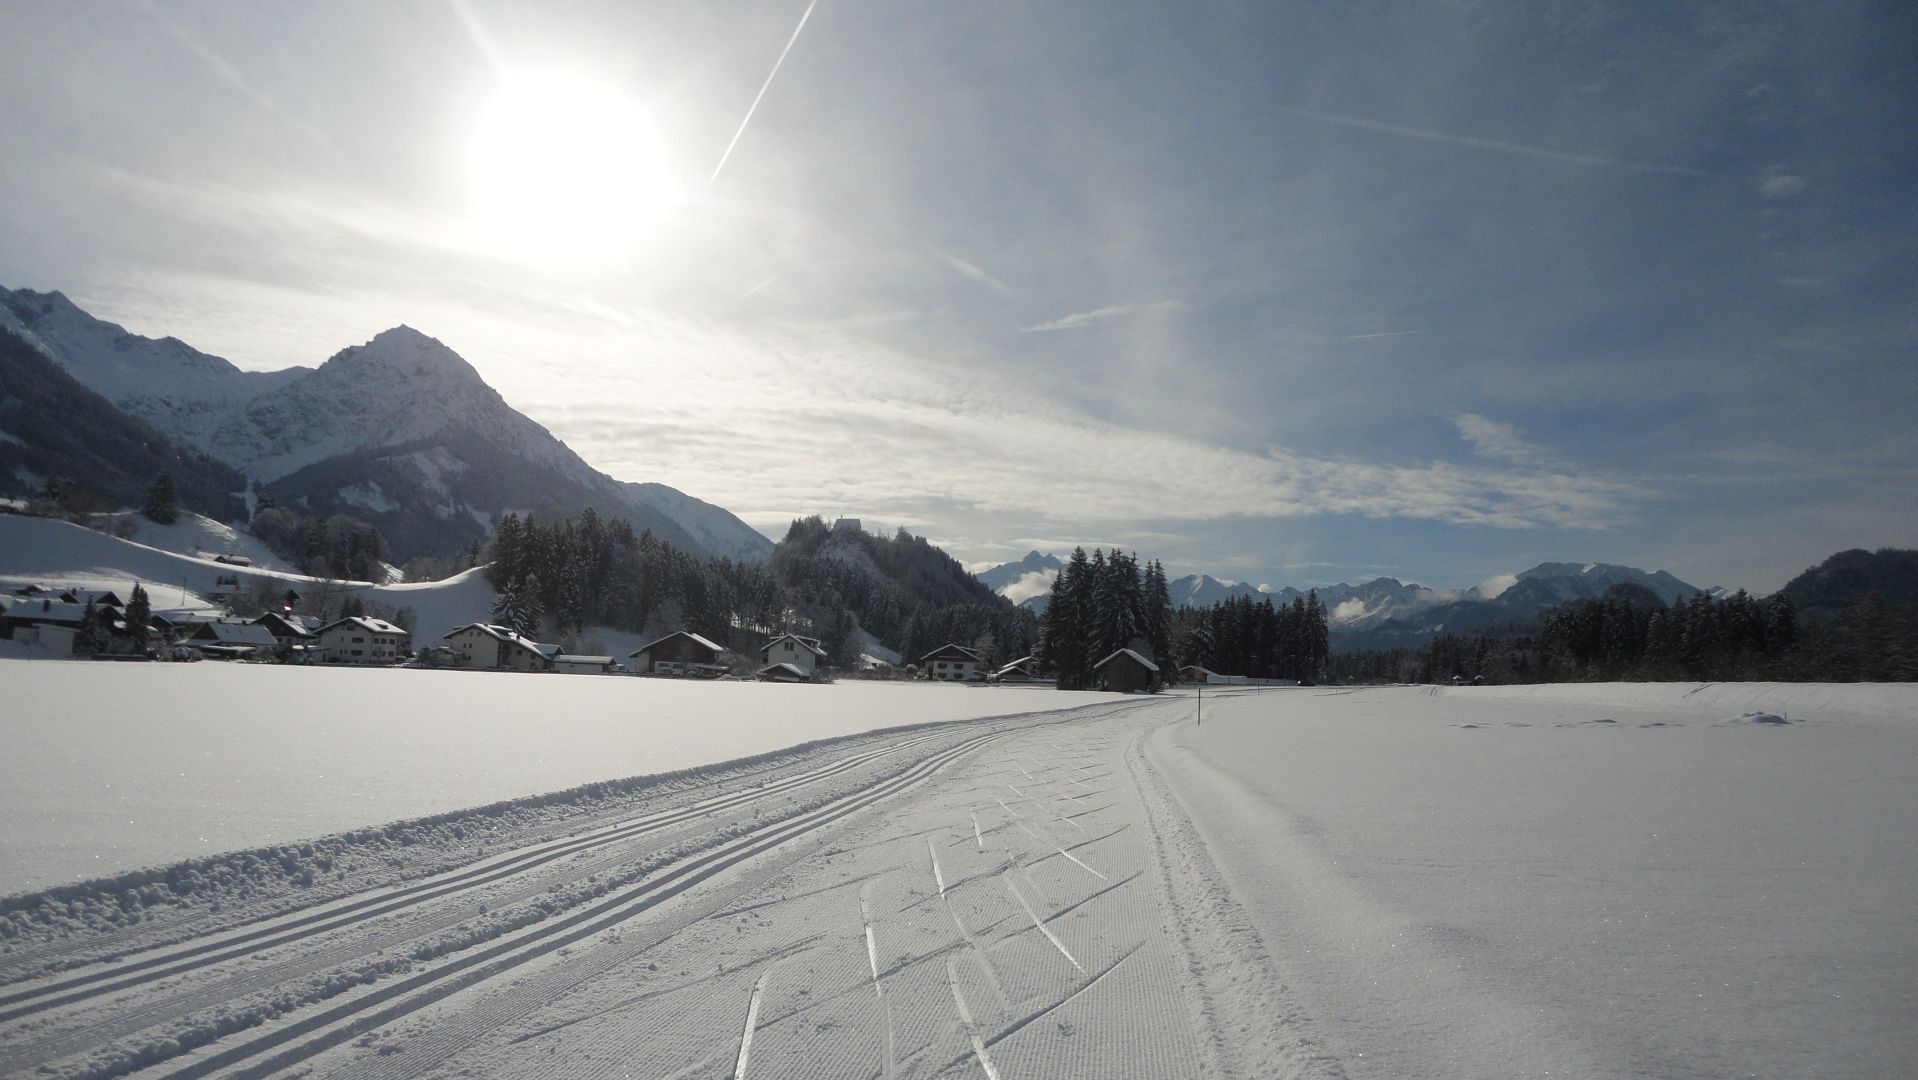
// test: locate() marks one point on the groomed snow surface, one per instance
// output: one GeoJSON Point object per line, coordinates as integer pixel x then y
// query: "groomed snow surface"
{"type": "Point", "coordinates": [1592, 881]}
{"type": "Point", "coordinates": [112, 767]}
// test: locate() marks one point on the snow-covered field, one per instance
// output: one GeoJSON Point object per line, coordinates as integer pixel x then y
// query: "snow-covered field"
{"type": "Point", "coordinates": [110, 767]}
{"type": "Point", "coordinates": [1594, 880]}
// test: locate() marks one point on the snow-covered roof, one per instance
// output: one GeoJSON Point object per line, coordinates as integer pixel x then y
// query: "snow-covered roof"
{"type": "Point", "coordinates": [685, 634]}
{"type": "Point", "coordinates": [1024, 663]}
{"type": "Point", "coordinates": [44, 610]}
{"type": "Point", "coordinates": [949, 647]}
{"type": "Point", "coordinates": [234, 632]}
{"type": "Point", "coordinates": [367, 623]}
{"type": "Point", "coordinates": [809, 642]}
{"type": "Point", "coordinates": [1199, 668]}
{"type": "Point", "coordinates": [1149, 665]}
{"type": "Point", "coordinates": [565, 658]}
{"type": "Point", "coordinates": [274, 621]}
{"type": "Point", "coordinates": [788, 669]}
{"type": "Point", "coordinates": [510, 636]}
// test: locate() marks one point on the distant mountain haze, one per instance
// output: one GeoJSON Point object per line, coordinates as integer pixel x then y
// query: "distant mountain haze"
{"type": "Point", "coordinates": [1386, 612]}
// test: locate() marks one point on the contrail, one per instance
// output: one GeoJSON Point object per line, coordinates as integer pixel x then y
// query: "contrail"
{"type": "Point", "coordinates": [1486, 144]}
{"type": "Point", "coordinates": [762, 91]}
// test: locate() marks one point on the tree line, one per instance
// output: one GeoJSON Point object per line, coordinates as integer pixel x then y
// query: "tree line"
{"type": "Point", "coordinates": [1262, 640]}
{"type": "Point", "coordinates": [1630, 634]}
{"type": "Point", "coordinates": [1099, 605]}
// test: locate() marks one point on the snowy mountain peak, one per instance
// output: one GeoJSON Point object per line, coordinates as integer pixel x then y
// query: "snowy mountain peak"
{"type": "Point", "coordinates": [408, 353]}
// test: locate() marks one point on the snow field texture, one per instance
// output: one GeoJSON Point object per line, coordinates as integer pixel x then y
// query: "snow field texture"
{"type": "Point", "coordinates": [115, 767]}
{"type": "Point", "coordinates": [1601, 881]}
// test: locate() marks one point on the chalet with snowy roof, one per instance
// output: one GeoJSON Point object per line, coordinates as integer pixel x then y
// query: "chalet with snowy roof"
{"type": "Point", "coordinates": [1124, 672]}
{"type": "Point", "coordinates": [288, 630]}
{"type": "Point", "coordinates": [952, 663]}
{"type": "Point", "coordinates": [1193, 673]}
{"type": "Point", "coordinates": [44, 621]}
{"type": "Point", "coordinates": [575, 664]}
{"type": "Point", "coordinates": [100, 597]}
{"type": "Point", "coordinates": [786, 673]}
{"type": "Point", "coordinates": [1023, 670]}
{"type": "Point", "coordinates": [233, 639]}
{"type": "Point", "coordinates": [681, 652]}
{"type": "Point", "coordinates": [493, 647]}
{"type": "Point", "coordinates": [802, 653]}
{"type": "Point", "coordinates": [359, 639]}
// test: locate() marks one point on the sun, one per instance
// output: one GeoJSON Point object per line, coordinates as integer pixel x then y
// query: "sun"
{"type": "Point", "coordinates": [566, 171]}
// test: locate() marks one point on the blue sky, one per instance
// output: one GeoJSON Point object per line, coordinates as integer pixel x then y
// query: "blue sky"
{"type": "Point", "coordinates": [1290, 293]}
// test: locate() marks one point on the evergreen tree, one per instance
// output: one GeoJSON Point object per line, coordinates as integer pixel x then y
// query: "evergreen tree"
{"type": "Point", "coordinates": [162, 505]}
{"type": "Point", "coordinates": [139, 612]}
{"type": "Point", "coordinates": [519, 608]}
{"type": "Point", "coordinates": [95, 635]}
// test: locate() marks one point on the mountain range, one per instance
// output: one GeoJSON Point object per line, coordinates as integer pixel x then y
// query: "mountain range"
{"type": "Point", "coordinates": [1384, 612]}
{"type": "Point", "coordinates": [400, 431]}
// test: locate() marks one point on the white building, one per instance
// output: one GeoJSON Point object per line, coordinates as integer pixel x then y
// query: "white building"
{"type": "Point", "coordinates": [801, 653]}
{"type": "Point", "coordinates": [951, 663]}
{"type": "Point", "coordinates": [485, 645]}
{"type": "Point", "coordinates": [362, 640]}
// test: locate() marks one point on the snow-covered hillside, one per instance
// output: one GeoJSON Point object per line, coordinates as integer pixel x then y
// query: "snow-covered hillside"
{"type": "Point", "coordinates": [42, 551]}
{"type": "Point", "coordinates": [197, 537]}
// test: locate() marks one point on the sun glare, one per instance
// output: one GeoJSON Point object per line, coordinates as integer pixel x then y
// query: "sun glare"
{"type": "Point", "coordinates": [566, 171]}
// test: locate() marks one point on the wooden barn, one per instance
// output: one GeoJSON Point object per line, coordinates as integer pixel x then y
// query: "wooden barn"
{"type": "Point", "coordinates": [1125, 672]}
{"type": "Point", "coordinates": [681, 652]}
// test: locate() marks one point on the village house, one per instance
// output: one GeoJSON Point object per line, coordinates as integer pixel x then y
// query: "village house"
{"type": "Point", "coordinates": [294, 634]}
{"type": "Point", "coordinates": [1193, 673]}
{"type": "Point", "coordinates": [951, 663]}
{"type": "Point", "coordinates": [359, 639]}
{"type": "Point", "coordinates": [44, 621]}
{"type": "Point", "coordinates": [232, 639]}
{"type": "Point", "coordinates": [1023, 670]}
{"type": "Point", "coordinates": [681, 652]}
{"type": "Point", "coordinates": [1124, 672]}
{"type": "Point", "coordinates": [568, 663]}
{"type": "Point", "coordinates": [791, 658]}
{"type": "Point", "coordinates": [486, 645]}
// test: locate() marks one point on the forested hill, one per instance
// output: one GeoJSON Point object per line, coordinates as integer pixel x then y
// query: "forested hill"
{"type": "Point", "coordinates": [90, 454]}
{"type": "Point", "coordinates": [1852, 577]}
{"type": "Point", "coordinates": [903, 591]}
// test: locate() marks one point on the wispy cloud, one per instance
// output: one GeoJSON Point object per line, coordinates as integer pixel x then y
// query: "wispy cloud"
{"type": "Point", "coordinates": [1498, 441]}
{"type": "Point", "coordinates": [1778, 184]}
{"type": "Point", "coordinates": [1482, 143]}
{"type": "Point", "coordinates": [972, 271]}
{"type": "Point", "coordinates": [1078, 319]}
{"type": "Point", "coordinates": [1385, 334]}
{"type": "Point", "coordinates": [1097, 315]}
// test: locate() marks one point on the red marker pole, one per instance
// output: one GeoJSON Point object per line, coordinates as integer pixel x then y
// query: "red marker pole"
{"type": "Point", "coordinates": [1201, 704]}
